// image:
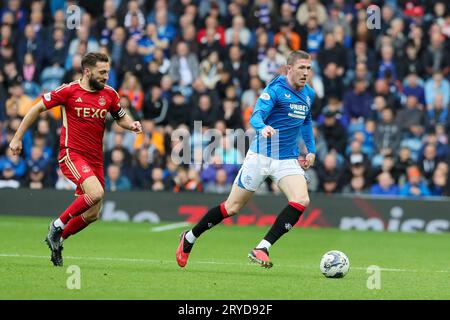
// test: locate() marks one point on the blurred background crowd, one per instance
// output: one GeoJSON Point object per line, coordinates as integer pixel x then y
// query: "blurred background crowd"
{"type": "Point", "coordinates": [381, 118]}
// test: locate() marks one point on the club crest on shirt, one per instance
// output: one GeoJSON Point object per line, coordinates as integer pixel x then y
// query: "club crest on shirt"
{"type": "Point", "coordinates": [264, 96]}
{"type": "Point", "coordinates": [48, 96]}
{"type": "Point", "coordinates": [85, 169]}
{"type": "Point", "coordinates": [308, 101]}
{"type": "Point", "coordinates": [101, 101]}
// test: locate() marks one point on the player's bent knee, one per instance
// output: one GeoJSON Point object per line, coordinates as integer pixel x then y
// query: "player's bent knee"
{"type": "Point", "coordinates": [92, 217]}
{"type": "Point", "coordinates": [232, 208]}
{"type": "Point", "coordinates": [304, 201]}
{"type": "Point", "coordinates": [96, 196]}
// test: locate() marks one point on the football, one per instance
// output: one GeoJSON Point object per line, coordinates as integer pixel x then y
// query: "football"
{"type": "Point", "coordinates": [334, 264]}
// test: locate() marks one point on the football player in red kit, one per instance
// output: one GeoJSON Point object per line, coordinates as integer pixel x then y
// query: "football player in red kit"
{"type": "Point", "coordinates": [84, 105]}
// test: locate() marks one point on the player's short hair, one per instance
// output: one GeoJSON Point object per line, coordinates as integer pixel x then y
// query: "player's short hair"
{"type": "Point", "coordinates": [295, 55]}
{"type": "Point", "coordinates": [90, 60]}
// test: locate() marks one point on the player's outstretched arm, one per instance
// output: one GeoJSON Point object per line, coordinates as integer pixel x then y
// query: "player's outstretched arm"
{"type": "Point", "coordinates": [127, 123]}
{"type": "Point", "coordinates": [28, 120]}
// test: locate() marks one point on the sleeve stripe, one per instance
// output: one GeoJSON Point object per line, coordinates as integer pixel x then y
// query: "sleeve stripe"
{"type": "Point", "coordinates": [61, 87]}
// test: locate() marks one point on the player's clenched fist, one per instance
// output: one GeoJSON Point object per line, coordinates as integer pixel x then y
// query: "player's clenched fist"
{"type": "Point", "coordinates": [268, 131]}
{"type": "Point", "coordinates": [16, 146]}
{"type": "Point", "coordinates": [308, 161]}
{"type": "Point", "coordinates": [136, 127]}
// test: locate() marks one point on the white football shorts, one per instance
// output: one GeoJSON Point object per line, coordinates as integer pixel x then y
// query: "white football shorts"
{"type": "Point", "coordinates": [257, 167]}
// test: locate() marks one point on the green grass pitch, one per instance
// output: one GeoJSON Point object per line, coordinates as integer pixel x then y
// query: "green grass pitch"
{"type": "Point", "coordinates": [130, 261]}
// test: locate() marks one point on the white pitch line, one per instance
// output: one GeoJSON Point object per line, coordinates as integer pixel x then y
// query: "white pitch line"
{"type": "Point", "coordinates": [170, 226]}
{"type": "Point", "coordinates": [15, 255]}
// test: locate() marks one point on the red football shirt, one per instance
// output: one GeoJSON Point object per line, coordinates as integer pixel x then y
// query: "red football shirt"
{"type": "Point", "coordinates": [83, 114]}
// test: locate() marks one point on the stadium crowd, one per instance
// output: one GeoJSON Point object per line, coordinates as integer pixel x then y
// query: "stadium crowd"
{"type": "Point", "coordinates": [381, 113]}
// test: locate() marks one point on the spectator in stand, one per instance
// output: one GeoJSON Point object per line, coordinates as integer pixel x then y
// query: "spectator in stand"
{"type": "Point", "coordinates": [180, 180]}
{"type": "Point", "coordinates": [117, 47]}
{"type": "Point", "coordinates": [239, 30]}
{"type": "Point", "coordinates": [330, 176]}
{"type": "Point", "coordinates": [205, 112]}
{"type": "Point", "coordinates": [332, 52]}
{"type": "Point", "coordinates": [162, 6]}
{"type": "Point", "coordinates": [51, 76]}
{"type": "Point", "coordinates": [178, 112]}
{"type": "Point", "coordinates": [8, 177]}
{"type": "Point", "coordinates": [381, 88]}
{"type": "Point", "coordinates": [439, 183]}
{"type": "Point", "coordinates": [335, 106]}
{"type": "Point", "coordinates": [411, 115]}
{"type": "Point", "coordinates": [209, 171]}
{"type": "Point", "coordinates": [83, 36]}
{"type": "Point", "coordinates": [271, 65]}
{"type": "Point", "coordinates": [148, 42]}
{"type": "Point", "coordinates": [315, 36]}
{"type": "Point", "coordinates": [332, 81]}
{"type": "Point", "coordinates": [57, 47]}
{"type": "Point", "coordinates": [263, 13]}
{"type": "Point", "coordinates": [211, 44]}
{"type": "Point", "coordinates": [312, 9]}
{"type": "Point", "coordinates": [166, 31]}
{"type": "Point", "coordinates": [415, 186]}
{"type": "Point", "coordinates": [37, 159]}
{"type": "Point", "coordinates": [249, 97]}
{"type": "Point", "coordinates": [238, 69]}
{"type": "Point", "coordinates": [385, 187]}
{"type": "Point", "coordinates": [387, 165]}
{"type": "Point", "coordinates": [220, 184]}
{"type": "Point", "coordinates": [30, 77]}
{"type": "Point", "coordinates": [156, 107]}
{"type": "Point", "coordinates": [334, 133]}
{"type": "Point", "coordinates": [292, 38]}
{"type": "Point", "coordinates": [410, 63]}
{"type": "Point", "coordinates": [435, 85]}
{"type": "Point", "coordinates": [210, 69]}
{"type": "Point", "coordinates": [193, 183]}
{"type": "Point", "coordinates": [402, 162]}
{"type": "Point", "coordinates": [13, 166]}
{"type": "Point", "coordinates": [435, 57]}
{"type": "Point", "coordinates": [30, 43]}
{"type": "Point", "coordinates": [336, 19]}
{"type": "Point", "coordinates": [184, 66]}
{"type": "Point", "coordinates": [387, 135]}
{"type": "Point", "coordinates": [141, 171]}
{"type": "Point", "coordinates": [131, 88]}
{"type": "Point", "coordinates": [115, 181]}
{"type": "Point", "coordinates": [387, 63]}
{"type": "Point", "coordinates": [357, 186]}
{"type": "Point", "coordinates": [134, 20]}
{"type": "Point", "coordinates": [428, 161]}
{"type": "Point", "coordinates": [18, 99]}
{"type": "Point", "coordinates": [413, 140]}
{"type": "Point", "coordinates": [231, 114]}
{"type": "Point", "coordinates": [131, 59]}
{"type": "Point", "coordinates": [413, 87]}
{"type": "Point", "coordinates": [36, 178]}
{"type": "Point", "coordinates": [151, 140]}
{"type": "Point", "coordinates": [160, 59]}
{"type": "Point", "coordinates": [357, 102]}
{"type": "Point", "coordinates": [157, 180]}
{"type": "Point", "coordinates": [436, 113]}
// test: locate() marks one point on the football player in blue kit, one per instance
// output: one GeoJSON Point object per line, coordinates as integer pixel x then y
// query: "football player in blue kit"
{"type": "Point", "coordinates": [281, 117]}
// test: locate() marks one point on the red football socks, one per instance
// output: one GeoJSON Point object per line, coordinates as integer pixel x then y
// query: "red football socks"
{"type": "Point", "coordinates": [80, 205]}
{"type": "Point", "coordinates": [75, 225]}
